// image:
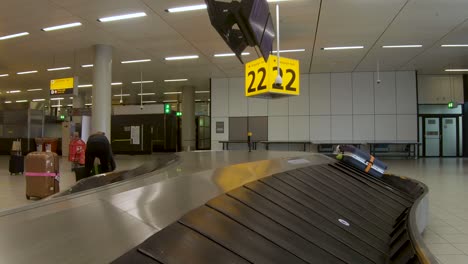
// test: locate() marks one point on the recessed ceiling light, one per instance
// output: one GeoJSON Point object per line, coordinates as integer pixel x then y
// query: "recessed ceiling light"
{"type": "Point", "coordinates": [230, 54]}
{"type": "Point", "coordinates": [186, 8]}
{"type": "Point", "coordinates": [176, 80]}
{"type": "Point", "coordinates": [75, 24]}
{"type": "Point", "coordinates": [200, 92]}
{"type": "Point", "coordinates": [289, 51]}
{"type": "Point", "coordinates": [21, 101]}
{"type": "Point", "coordinates": [122, 17]}
{"type": "Point", "coordinates": [121, 95]}
{"type": "Point", "coordinates": [34, 90]}
{"type": "Point", "coordinates": [135, 61]}
{"type": "Point", "coordinates": [13, 91]}
{"type": "Point", "coordinates": [26, 72]}
{"type": "Point", "coordinates": [4, 75]}
{"type": "Point", "coordinates": [87, 66]}
{"type": "Point", "coordinates": [172, 92]}
{"type": "Point", "coordinates": [454, 45]}
{"type": "Point", "coordinates": [401, 46]}
{"type": "Point", "coordinates": [38, 100]}
{"type": "Point", "coordinates": [85, 85]}
{"type": "Point", "coordinates": [7, 102]}
{"type": "Point", "coordinates": [170, 101]}
{"type": "Point", "coordinates": [343, 48]}
{"type": "Point", "coordinates": [182, 57]}
{"type": "Point", "coordinates": [14, 35]}
{"type": "Point", "coordinates": [137, 82]}
{"type": "Point", "coordinates": [116, 83]}
{"type": "Point", "coordinates": [56, 98]}
{"type": "Point", "coordinates": [148, 102]}
{"type": "Point", "coordinates": [456, 70]}
{"type": "Point", "coordinates": [59, 69]}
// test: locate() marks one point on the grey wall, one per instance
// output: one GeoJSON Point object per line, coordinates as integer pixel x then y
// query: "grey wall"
{"type": "Point", "coordinates": [331, 106]}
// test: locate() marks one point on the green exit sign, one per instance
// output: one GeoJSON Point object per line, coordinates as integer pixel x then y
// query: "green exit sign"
{"type": "Point", "coordinates": [167, 108]}
{"type": "Point", "coordinates": [179, 114]}
{"type": "Point", "coordinates": [62, 117]}
{"type": "Point", "coordinates": [451, 105]}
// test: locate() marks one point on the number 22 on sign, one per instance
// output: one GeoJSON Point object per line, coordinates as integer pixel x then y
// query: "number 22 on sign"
{"type": "Point", "coordinates": [260, 76]}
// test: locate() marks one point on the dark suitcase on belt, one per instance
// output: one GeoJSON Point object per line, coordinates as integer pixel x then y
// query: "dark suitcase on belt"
{"type": "Point", "coordinates": [42, 174]}
{"type": "Point", "coordinates": [16, 164]}
{"type": "Point", "coordinates": [361, 160]}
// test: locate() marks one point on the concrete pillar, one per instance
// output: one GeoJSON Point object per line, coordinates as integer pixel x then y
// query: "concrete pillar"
{"type": "Point", "coordinates": [102, 79]}
{"type": "Point", "coordinates": [188, 118]}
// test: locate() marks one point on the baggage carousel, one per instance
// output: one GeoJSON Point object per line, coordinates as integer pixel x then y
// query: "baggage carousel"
{"type": "Point", "coordinates": [225, 207]}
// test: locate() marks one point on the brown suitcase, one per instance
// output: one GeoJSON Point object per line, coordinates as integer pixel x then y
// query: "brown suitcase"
{"type": "Point", "coordinates": [42, 174]}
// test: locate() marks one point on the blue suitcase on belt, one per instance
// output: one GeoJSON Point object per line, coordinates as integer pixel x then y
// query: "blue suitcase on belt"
{"type": "Point", "coordinates": [361, 160]}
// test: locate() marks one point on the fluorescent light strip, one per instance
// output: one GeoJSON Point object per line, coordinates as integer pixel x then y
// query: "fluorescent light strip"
{"type": "Point", "coordinates": [401, 46]}
{"type": "Point", "coordinates": [59, 105]}
{"type": "Point", "coordinates": [121, 95]}
{"type": "Point", "coordinates": [21, 101]}
{"type": "Point", "coordinates": [176, 80]}
{"type": "Point", "coordinates": [172, 92]}
{"type": "Point", "coordinates": [88, 104]}
{"type": "Point", "coordinates": [116, 83]}
{"type": "Point", "coordinates": [85, 85]}
{"type": "Point", "coordinates": [69, 105]}
{"type": "Point", "coordinates": [186, 8]}
{"type": "Point", "coordinates": [456, 70]}
{"type": "Point", "coordinates": [454, 45]}
{"type": "Point", "coordinates": [188, 57]}
{"type": "Point", "coordinates": [170, 101]}
{"type": "Point", "coordinates": [38, 100]}
{"type": "Point", "coordinates": [146, 94]}
{"type": "Point", "coordinates": [138, 82]}
{"type": "Point", "coordinates": [13, 91]}
{"type": "Point", "coordinates": [230, 54]}
{"type": "Point", "coordinates": [200, 92]}
{"type": "Point", "coordinates": [4, 75]}
{"type": "Point", "coordinates": [135, 61]}
{"type": "Point", "coordinates": [122, 17]}
{"type": "Point", "coordinates": [148, 102]}
{"type": "Point", "coordinates": [289, 51]}
{"type": "Point", "coordinates": [56, 98]}
{"type": "Point", "coordinates": [198, 100]}
{"type": "Point", "coordinates": [59, 69]}
{"type": "Point", "coordinates": [87, 65]}
{"type": "Point", "coordinates": [343, 48]}
{"type": "Point", "coordinates": [14, 35]}
{"type": "Point", "coordinates": [7, 102]}
{"type": "Point", "coordinates": [34, 90]}
{"type": "Point", "coordinates": [70, 25]}
{"type": "Point", "coordinates": [26, 72]}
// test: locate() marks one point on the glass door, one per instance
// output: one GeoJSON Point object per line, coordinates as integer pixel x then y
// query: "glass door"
{"type": "Point", "coordinates": [449, 136]}
{"type": "Point", "coordinates": [432, 137]}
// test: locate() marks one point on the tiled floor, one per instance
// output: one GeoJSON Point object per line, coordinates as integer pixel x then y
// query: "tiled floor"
{"type": "Point", "coordinates": [447, 179]}
{"type": "Point", "coordinates": [12, 187]}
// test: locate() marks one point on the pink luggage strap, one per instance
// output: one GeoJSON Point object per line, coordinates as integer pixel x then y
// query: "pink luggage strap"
{"type": "Point", "coordinates": [42, 174]}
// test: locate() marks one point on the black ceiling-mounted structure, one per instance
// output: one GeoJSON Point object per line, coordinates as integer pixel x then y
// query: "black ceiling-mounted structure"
{"type": "Point", "coordinates": [242, 24]}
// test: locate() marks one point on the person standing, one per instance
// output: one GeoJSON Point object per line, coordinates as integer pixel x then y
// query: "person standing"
{"type": "Point", "coordinates": [98, 146]}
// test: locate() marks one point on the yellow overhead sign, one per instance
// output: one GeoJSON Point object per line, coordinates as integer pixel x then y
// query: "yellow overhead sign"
{"type": "Point", "coordinates": [260, 77]}
{"type": "Point", "coordinates": [61, 86]}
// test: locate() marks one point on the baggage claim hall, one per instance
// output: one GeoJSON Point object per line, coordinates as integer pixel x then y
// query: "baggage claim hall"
{"type": "Point", "coordinates": [223, 131]}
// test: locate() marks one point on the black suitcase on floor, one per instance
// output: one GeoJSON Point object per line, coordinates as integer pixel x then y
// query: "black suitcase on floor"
{"type": "Point", "coordinates": [16, 165]}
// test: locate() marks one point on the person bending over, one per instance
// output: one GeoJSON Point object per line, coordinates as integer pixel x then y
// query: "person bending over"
{"type": "Point", "coordinates": [98, 146]}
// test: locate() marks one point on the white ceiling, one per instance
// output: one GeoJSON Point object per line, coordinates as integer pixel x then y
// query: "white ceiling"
{"type": "Point", "coordinates": [371, 23]}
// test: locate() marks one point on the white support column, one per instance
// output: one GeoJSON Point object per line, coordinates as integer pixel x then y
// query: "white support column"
{"type": "Point", "coordinates": [188, 118]}
{"type": "Point", "coordinates": [102, 78]}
